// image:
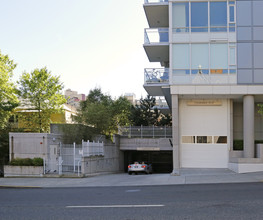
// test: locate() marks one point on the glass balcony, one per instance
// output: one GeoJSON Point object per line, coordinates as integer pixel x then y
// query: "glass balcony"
{"type": "Point", "coordinates": [204, 79]}
{"type": "Point", "coordinates": [155, 1]}
{"type": "Point", "coordinates": [156, 35]}
{"type": "Point", "coordinates": [156, 75]}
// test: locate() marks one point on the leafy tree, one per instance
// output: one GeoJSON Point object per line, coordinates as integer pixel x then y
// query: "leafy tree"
{"type": "Point", "coordinates": [104, 113]}
{"type": "Point", "coordinates": [8, 98]}
{"type": "Point", "coordinates": [121, 111]}
{"type": "Point", "coordinates": [260, 111]}
{"type": "Point", "coordinates": [42, 95]}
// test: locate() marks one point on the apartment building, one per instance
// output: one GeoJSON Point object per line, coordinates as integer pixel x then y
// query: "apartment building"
{"type": "Point", "coordinates": [211, 75]}
{"type": "Point", "coordinates": [74, 98]}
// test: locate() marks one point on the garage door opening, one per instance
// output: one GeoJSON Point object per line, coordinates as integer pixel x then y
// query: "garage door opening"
{"type": "Point", "coordinates": [162, 161]}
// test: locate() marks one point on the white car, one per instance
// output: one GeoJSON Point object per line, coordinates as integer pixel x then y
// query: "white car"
{"type": "Point", "coordinates": [139, 168]}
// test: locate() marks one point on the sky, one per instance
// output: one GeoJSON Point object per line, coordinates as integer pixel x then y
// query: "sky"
{"type": "Point", "coordinates": [89, 44]}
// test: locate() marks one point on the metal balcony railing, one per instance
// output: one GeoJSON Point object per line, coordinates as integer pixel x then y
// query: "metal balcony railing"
{"type": "Point", "coordinates": [155, 1]}
{"type": "Point", "coordinates": [156, 75]}
{"type": "Point", "coordinates": [156, 35]}
{"type": "Point", "coordinates": [146, 132]}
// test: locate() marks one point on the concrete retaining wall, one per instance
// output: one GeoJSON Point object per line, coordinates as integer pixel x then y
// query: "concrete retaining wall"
{"type": "Point", "coordinates": [111, 162]}
{"type": "Point", "coordinates": [23, 171]}
{"type": "Point", "coordinates": [30, 145]}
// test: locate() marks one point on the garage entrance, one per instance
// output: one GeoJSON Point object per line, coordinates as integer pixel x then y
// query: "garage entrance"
{"type": "Point", "coordinates": [162, 161]}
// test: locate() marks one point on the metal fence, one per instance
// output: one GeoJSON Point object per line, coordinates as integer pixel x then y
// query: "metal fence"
{"type": "Point", "coordinates": [66, 158]}
{"type": "Point", "coordinates": [92, 148]}
{"type": "Point", "coordinates": [71, 157]}
{"type": "Point", "coordinates": [146, 132]}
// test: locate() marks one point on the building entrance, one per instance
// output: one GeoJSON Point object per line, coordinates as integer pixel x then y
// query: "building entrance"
{"type": "Point", "coordinates": [162, 161]}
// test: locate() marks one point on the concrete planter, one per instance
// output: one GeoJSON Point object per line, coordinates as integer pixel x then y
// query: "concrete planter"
{"type": "Point", "coordinates": [23, 171]}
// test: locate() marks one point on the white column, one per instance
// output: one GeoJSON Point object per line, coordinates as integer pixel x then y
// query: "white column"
{"type": "Point", "coordinates": [248, 126]}
{"type": "Point", "coordinates": [176, 147]}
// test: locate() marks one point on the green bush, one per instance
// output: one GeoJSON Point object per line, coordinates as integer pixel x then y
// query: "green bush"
{"type": "Point", "coordinates": [238, 145]}
{"type": "Point", "coordinates": [37, 161]}
{"type": "Point", "coordinates": [27, 162]}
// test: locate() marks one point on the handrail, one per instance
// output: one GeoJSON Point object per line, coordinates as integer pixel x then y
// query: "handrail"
{"type": "Point", "coordinates": [156, 75]}
{"type": "Point", "coordinates": [156, 35]}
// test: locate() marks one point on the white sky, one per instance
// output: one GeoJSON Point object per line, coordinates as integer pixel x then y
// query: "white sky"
{"type": "Point", "coordinates": [88, 43]}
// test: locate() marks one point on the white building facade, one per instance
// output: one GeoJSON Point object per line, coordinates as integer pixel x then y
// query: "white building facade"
{"type": "Point", "coordinates": [211, 77]}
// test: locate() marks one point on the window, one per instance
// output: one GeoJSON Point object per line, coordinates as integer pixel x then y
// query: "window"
{"type": "Point", "coordinates": [199, 16]}
{"type": "Point", "coordinates": [220, 139]}
{"type": "Point", "coordinates": [181, 17]}
{"type": "Point", "coordinates": [204, 139]}
{"type": "Point", "coordinates": [200, 57]}
{"type": "Point", "coordinates": [219, 58]}
{"type": "Point", "coordinates": [214, 58]}
{"type": "Point", "coordinates": [232, 55]}
{"type": "Point", "coordinates": [231, 13]}
{"type": "Point", "coordinates": [188, 139]}
{"type": "Point", "coordinates": [218, 16]}
{"type": "Point", "coordinates": [181, 56]}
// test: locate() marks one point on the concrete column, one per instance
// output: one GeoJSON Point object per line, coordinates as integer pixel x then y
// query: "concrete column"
{"type": "Point", "coordinates": [248, 126]}
{"type": "Point", "coordinates": [176, 147]}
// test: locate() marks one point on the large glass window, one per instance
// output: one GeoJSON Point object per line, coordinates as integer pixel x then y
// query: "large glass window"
{"type": "Point", "coordinates": [194, 16]}
{"type": "Point", "coordinates": [181, 58]}
{"type": "Point", "coordinates": [199, 16]}
{"type": "Point", "coordinates": [219, 58]}
{"type": "Point", "coordinates": [214, 58]}
{"type": "Point", "coordinates": [218, 16]}
{"type": "Point", "coordinates": [181, 17]}
{"type": "Point", "coordinates": [200, 57]}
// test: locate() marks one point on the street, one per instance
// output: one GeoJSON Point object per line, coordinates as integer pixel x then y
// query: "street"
{"type": "Point", "coordinates": [206, 201]}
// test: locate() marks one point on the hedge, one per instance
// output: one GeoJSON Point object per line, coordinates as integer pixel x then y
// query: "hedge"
{"type": "Point", "coordinates": [37, 161]}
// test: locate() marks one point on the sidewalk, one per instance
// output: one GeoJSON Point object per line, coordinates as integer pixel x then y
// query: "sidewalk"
{"type": "Point", "coordinates": [188, 176]}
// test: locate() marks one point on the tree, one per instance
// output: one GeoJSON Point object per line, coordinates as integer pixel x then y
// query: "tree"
{"type": "Point", "coordinates": [146, 114]}
{"type": "Point", "coordinates": [260, 111]}
{"type": "Point", "coordinates": [8, 98]}
{"type": "Point", "coordinates": [42, 93]}
{"type": "Point", "coordinates": [104, 113]}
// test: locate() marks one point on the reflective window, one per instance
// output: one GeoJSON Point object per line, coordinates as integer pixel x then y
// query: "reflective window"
{"type": "Point", "coordinates": [232, 56]}
{"type": "Point", "coordinates": [199, 16]}
{"type": "Point", "coordinates": [188, 139]}
{"type": "Point", "coordinates": [181, 56]}
{"type": "Point", "coordinates": [218, 16]}
{"type": "Point", "coordinates": [219, 56]}
{"type": "Point", "coordinates": [220, 139]}
{"type": "Point", "coordinates": [200, 56]}
{"type": "Point", "coordinates": [181, 17]}
{"type": "Point", "coordinates": [232, 13]}
{"type": "Point", "coordinates": [181, 72]}
{"type": "Point", "coordinates": [204, 139]}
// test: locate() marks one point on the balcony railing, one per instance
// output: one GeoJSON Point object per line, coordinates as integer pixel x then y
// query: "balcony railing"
{"type": "Point", "coordinates": [156, 75]}
{"type": "Point", "coordinates": [155, 1]}
{"type": "Point", "coordinates": [146, 132]}
{"type": "Point", "coordinates": [156, 35]}
{"type": "Point", "coordinates": [204, 79]}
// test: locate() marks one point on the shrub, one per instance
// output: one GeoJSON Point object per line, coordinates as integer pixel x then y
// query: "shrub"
{"type": "Point", "coordinates": [26, 162]}
{"type": "Point", "coordinates": [238, 145]}
{"type": "Point", "coordinates": [37, 161]}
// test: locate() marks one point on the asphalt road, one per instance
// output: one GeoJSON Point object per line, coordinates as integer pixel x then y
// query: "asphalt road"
{"type": "Point", "coordinates": [207, 201]}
